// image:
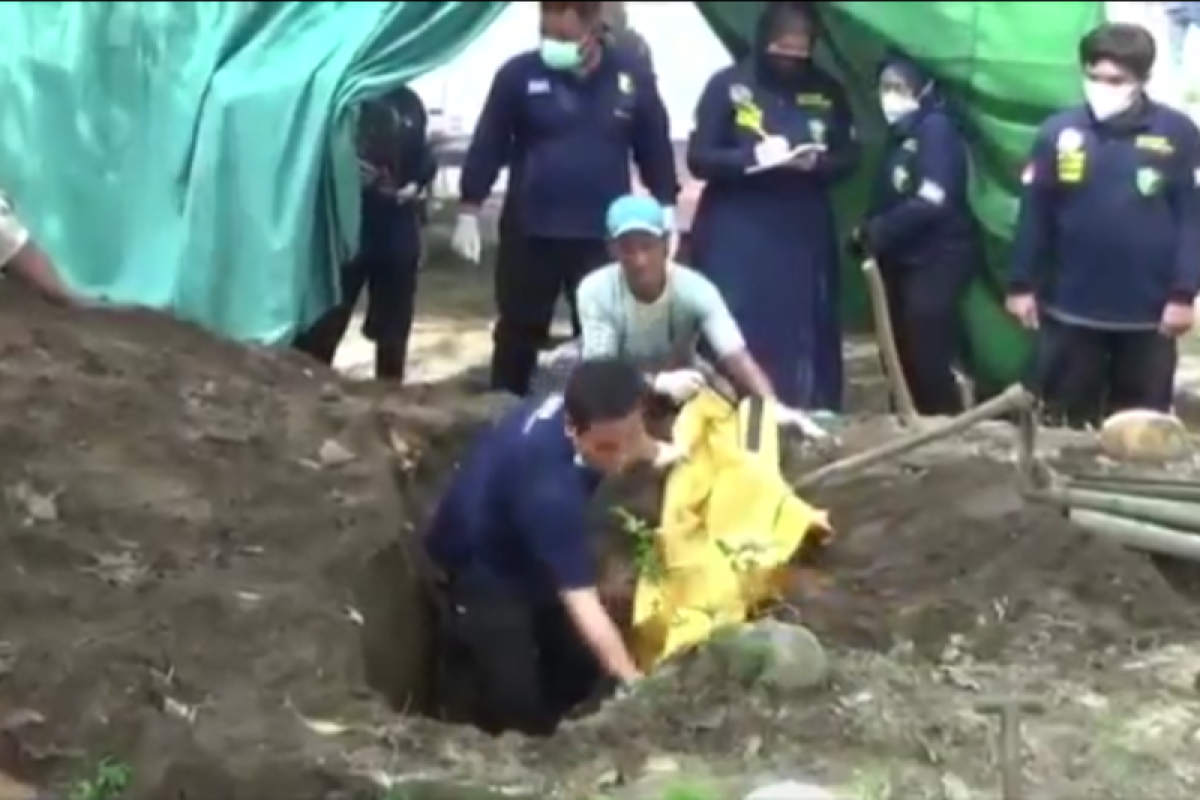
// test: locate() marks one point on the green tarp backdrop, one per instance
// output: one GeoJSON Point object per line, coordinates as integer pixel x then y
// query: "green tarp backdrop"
{"type": "Point", "coordinates": [188, 155]}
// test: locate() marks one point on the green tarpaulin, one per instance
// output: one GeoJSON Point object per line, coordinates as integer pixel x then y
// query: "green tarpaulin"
{"type": "Point", "coordinates": [188, 156]}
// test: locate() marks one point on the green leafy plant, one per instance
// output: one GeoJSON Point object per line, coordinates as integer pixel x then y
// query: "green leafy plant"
{"type": "Point", "coordinates": [646, 557]}
{"type": "Point", "coordinates": [109, 780]}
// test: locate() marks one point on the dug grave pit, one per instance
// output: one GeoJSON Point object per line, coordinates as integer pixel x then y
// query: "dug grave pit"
{"type": "Point", "coordinates": [181, 561]}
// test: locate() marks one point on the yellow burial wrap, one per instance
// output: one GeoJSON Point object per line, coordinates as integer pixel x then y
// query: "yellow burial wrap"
{"type": "Point", "coordinates": [729, 526]}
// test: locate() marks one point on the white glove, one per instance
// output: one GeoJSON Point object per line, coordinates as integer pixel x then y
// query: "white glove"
{"type": "Point", "coordinates": [680, 385]}
{"type": "Point", "coordinates": [407, 192]}
{"type": "Point", "coordinates": [667, 455]}
{"type": "Point", "coordinates": [798, 420]}
{"type": "Point", "coordinates": [465, 240]}
{"type": "Point", "coordinates": [772, 151]}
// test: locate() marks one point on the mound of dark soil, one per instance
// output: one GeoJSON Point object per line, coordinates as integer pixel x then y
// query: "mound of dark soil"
{"type": "Point", "coordinates": [180, 546]}
{"type": "Point", "coordinates": [932, 556]}
{"type": "Point", "coordinates": [195, 536]}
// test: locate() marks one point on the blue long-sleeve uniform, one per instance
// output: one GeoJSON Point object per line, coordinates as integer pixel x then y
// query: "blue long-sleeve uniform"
{"type": "Point", "coordinates": [920, 215]}
{"type": "Point", "coordinates": [402, 155]}
{"type": "Point", "coordinates": [572, 136]}
{"type": "Point", "coordinates": [1109, 224]}
{"type": "Point", "coordinates": [768, 240]}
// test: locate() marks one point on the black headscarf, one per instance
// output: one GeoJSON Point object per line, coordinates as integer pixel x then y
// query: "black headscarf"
{"type": "Point", "coordinates": [777, 20]}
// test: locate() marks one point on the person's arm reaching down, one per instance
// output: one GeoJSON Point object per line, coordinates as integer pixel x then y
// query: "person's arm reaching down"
{"type": "Point", "coordinates": [723, 335]}
{"type": "Point", "coordinates": [1186, 197]}
{"type": "Point", "coordinates": [551, 515]}
{"type": "Point", "coordinates": [1033, 236]}
{"type": "Point", "coordinates": [653, 151]}
{"type": "Point", "coordinates": [492, 142]}
{"type": "Point", "coordinates": [21, 258]}
{"type": "Point", "coordinates": [599, 336]}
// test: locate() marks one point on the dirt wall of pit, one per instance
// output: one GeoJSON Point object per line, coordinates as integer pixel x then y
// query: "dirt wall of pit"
{"type": "Point", "coordinates": [183, 526]}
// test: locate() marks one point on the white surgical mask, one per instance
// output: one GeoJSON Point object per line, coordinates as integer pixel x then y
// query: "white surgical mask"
{"type": "Point", "coordinates": [1106, 100]}
{"type": "Point", "coordinates": [897, 106]}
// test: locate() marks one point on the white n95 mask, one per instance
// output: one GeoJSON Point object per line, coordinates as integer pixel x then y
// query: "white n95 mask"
{"type": "Point", "coordinates": [1107, 100]}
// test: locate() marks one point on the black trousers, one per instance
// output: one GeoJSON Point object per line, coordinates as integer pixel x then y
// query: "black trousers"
{"type": "Point", "coordinates": [526, 662]}
{"type": "Point", "coordinates": [1086, 374]}
{"type": "Point", "coordinates": [531, 274]}
{"type": "Point", "coordinates": [924, 305]}
{"type": "Point", "coordinates": [391, 286]}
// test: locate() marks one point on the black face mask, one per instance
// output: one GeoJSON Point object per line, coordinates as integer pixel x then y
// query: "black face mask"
{"type": "Point", "coordinates": [787, 67]}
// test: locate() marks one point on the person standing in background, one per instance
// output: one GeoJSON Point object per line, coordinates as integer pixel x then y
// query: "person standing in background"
{"type": "Point", "coordinates": [921, 232]}
{"type": "Point", "coordinates": [397, 165]}
{"type": "Point", "coordinates": [773, 135]}
{"type": "Point", "coordinates": [567, 118]}
{"type": "Point", "coordinates": [1106, 257]}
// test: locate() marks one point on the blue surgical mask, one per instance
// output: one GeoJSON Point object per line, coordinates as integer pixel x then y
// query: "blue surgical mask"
{"type": "Point", "coordinates": [559, 55]}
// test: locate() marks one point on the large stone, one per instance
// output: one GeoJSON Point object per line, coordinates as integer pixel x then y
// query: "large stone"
{"type": "Point", "coordinates": [773, 655]}
{"type": "Point", "coordinates": [1145, 436]}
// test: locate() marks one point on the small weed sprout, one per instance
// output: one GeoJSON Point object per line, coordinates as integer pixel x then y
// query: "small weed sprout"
{"type": "Point", "coordinates": [109, 780]}
{"type": "Point", "coordinates": [646, 558]}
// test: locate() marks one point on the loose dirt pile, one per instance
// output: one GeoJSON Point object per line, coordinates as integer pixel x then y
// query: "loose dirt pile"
{"type": "Point", "coordinates": [190, 539]}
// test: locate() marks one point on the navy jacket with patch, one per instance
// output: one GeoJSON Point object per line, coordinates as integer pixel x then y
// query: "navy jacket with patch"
{"type": "Point", "coordinates": [1109, 225]}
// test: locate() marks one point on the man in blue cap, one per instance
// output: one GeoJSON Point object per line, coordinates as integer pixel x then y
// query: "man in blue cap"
{"type": "Point", "coordinates": [660, 315]}
{"type": "Point", "coordinates": [568, 120]}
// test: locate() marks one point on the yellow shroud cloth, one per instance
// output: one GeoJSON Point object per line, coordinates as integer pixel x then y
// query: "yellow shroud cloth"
{"type": "Point", "coordinates": [730, 524]}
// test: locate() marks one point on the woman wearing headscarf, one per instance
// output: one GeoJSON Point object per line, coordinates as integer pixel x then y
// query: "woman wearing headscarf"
{"type": "Point", "coordinates": [773, 135]}
{"type": "Point", "coordinates": [921, 232]}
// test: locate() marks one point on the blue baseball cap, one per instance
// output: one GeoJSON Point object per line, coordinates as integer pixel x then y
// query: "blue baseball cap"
{"type": "Point", "coordinates": [635, 212]}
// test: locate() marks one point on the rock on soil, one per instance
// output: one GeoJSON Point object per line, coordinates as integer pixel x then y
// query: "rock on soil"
{"type": "Point", "coordinates": [194, 536]}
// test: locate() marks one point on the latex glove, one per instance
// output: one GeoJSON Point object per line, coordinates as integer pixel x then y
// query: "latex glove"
{"type": "Point", "coordinates": [667, 454]}
{"type": "Point", "coordinates": [466, 241]}
{"type": "Point", "coordinates": [798, 420]}
{"type": "Point", "coordinates": [680, 385]}
{"type": "Point", "coordinates": [1024, 307]}
{"type": "Point", "coordinates": [407, 192]}
{"type": "Point", "coordinates": [673, 231]}
{"type": "Point", "coordinates": [772, 151]}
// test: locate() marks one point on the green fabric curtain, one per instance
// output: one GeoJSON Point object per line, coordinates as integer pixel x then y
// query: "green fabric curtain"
{"type": "Point", "coordinates": [191, 156]}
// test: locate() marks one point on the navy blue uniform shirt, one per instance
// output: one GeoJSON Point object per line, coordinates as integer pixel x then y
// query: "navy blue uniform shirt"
{"type": "Point", "coordinates": [516, 510]}
{"type": "Point", "coordinates": [1109, 225]}
{"type": "Point", "coordinates": [395, 141]}
{"type": "Point", "coordinates": [920, 213]}
{"type": "Point", "coordinates": [573, 136]}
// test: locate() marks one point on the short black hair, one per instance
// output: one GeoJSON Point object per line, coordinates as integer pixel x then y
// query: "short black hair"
{"type": "Point", "coordinates": [602, 390]}
{"type": "Point", "coordinates": [586, 11]}
{"type": "Point", "coordinates": [1129, 46]}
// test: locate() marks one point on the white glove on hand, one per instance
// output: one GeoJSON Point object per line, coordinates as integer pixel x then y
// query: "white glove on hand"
{"type": "Point", "coordinates": [772, 151]}
{"type": "Point", "coordinates": [667, 455]}
{"type": "Point", "coordinates": [680, 385]}
{"type": "Point", "coordinates": [798, 420]}
{"type": "Point", "coordinates": [466, 241]}
{"type": "Point", "coordinates": [407, 192]}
